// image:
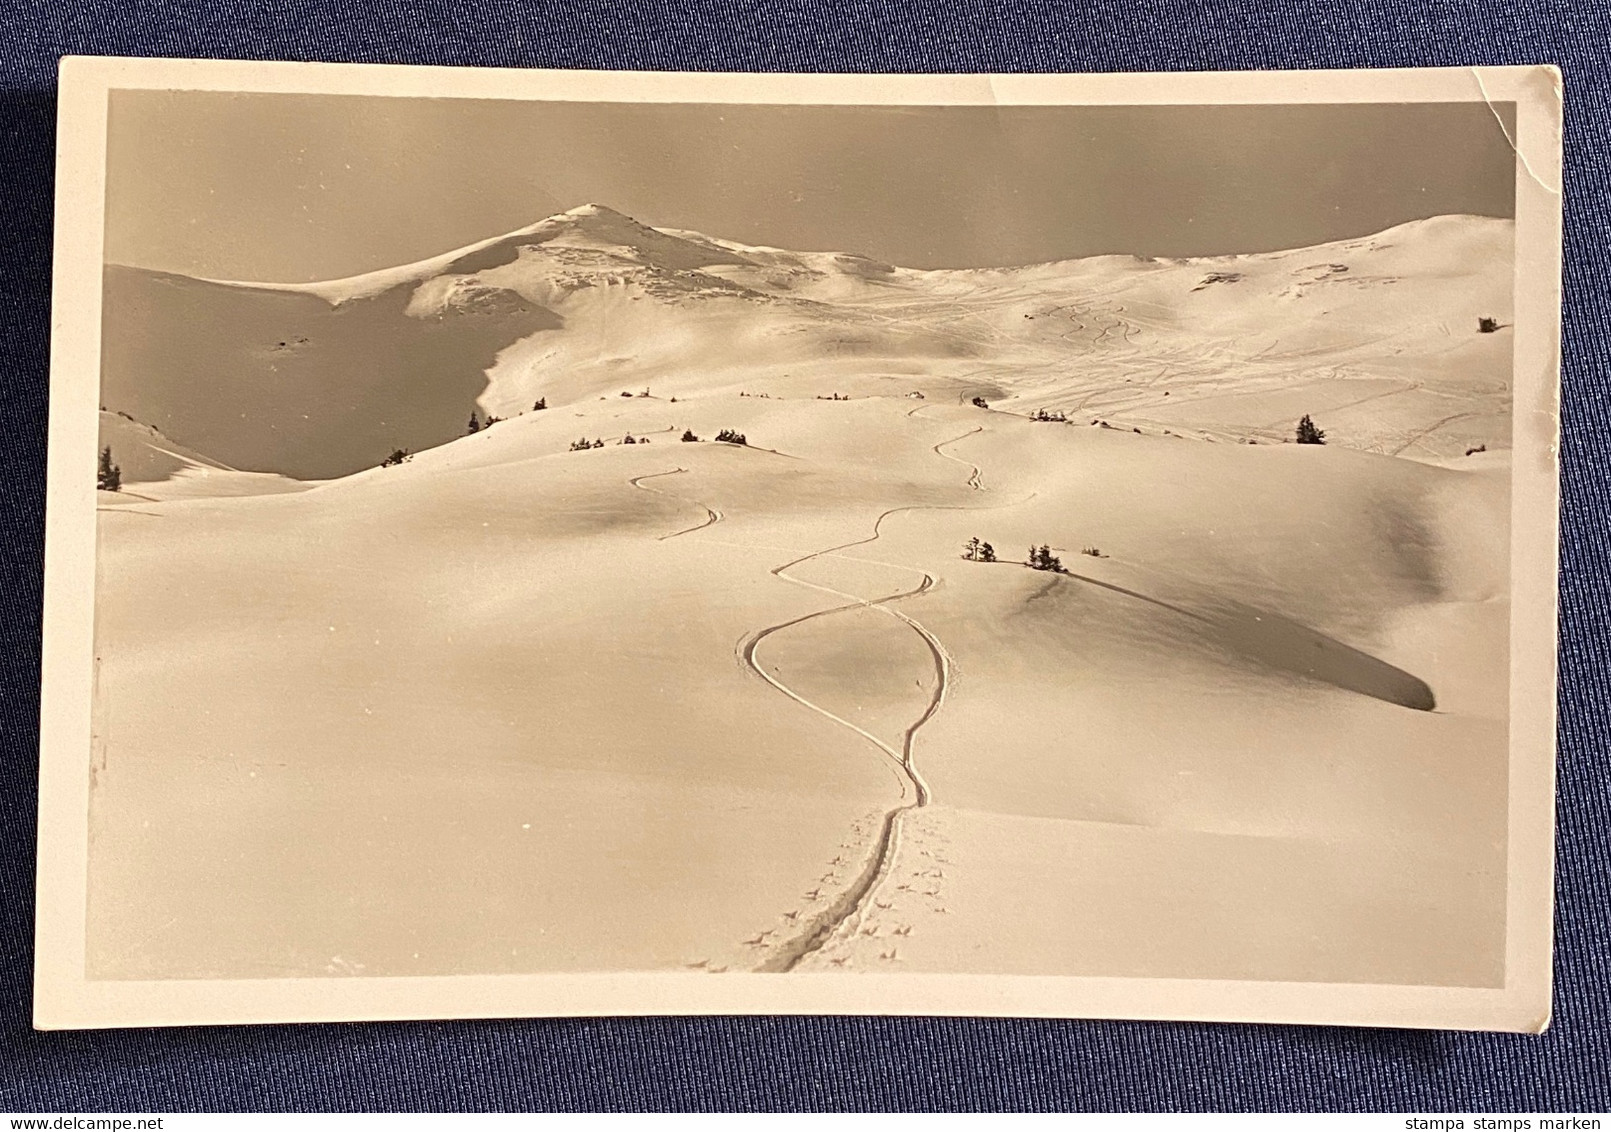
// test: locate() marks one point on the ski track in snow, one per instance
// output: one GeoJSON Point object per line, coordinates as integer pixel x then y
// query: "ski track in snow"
{"type": "Point", "coordinates": [849, 905]}
{"type": "Point", "coordinates": [712, 516]}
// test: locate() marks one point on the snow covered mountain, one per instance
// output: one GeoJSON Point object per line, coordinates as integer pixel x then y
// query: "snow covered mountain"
{"type": "Point", "coordinates": [1378, 338]}
{"type": "Point", "coordinates": [513, 706]}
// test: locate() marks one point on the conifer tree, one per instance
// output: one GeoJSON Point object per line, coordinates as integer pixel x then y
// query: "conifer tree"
{"type": "Point", "coordinates": [109, 477]}
{"type": "Point", "coordinates": [1042, 558]}
{"type": "Point", "coordinates": [474, 426]}
{"type": "Point", "coordinates": [1308, 433]}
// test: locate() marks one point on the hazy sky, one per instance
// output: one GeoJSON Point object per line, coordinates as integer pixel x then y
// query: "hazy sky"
{"type": "Point", "coordinates": [294, 188]}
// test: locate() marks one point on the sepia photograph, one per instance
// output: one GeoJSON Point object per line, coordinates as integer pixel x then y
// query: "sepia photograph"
{"type": "Point", "coordinates": [543, 543]}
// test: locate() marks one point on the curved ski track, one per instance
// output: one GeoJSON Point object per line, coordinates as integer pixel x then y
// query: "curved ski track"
{"type": "Point", "coordinates": [850, 901]}
{"type": "Point", "coordinates": [712, 516]}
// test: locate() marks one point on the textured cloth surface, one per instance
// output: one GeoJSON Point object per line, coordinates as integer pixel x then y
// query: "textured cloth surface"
{"type": "Point", "coordinates": [770, 1063]}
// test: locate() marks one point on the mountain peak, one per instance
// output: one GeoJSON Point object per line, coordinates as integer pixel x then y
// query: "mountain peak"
{"type": "Point", "coordinates": [592, 209]}
{"type": "Point", "coordinates": [601, 227]}
{"type": "Point", "coordinates": [598, 216]}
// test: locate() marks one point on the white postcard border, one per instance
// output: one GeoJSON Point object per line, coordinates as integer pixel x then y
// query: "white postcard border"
{"type": "Point", "coordinates": [65, 998]}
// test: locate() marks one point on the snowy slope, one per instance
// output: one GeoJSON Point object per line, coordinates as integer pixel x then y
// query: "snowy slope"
{"type": "Point", "coordinates": [152, 466]}
{"type": "Point", "coordinates": [497, 708]}
{"type": "Point", "coordinates": [1377, 338]}
{"type": "Point", "coordinates": [514, 707]}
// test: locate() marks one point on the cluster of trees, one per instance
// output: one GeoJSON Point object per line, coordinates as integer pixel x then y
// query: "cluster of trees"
{"type": "Point", "coordinates": [1487, 325]}
{"type": "Point", "coordinates": [1042, 558]}
{"type": "Point", "coordinates": [1308, 433]}
{"type": "Point", "coordinates": [1056, 415]}
{"type": "Point", "coordinates": [833, 397]}
{"type": "Point", "coordinates": [688, 436]}
{"type": "Point", "coordinates": [728, 436]}
{"type": "Point", "coordinates": [398, 456]}
{"type": "Point", "coordinates": [540, 405]}
{"type": "Point", "coordinates": [977, 550]}
{"type": "Point", "coordinates": [586, 445]}
{"type": "Point", "coordinates": [476, 424]}
{"type": "Point", "coordinates": [980, 403]}
{"type": "Point", "coordinates": [108, 476]}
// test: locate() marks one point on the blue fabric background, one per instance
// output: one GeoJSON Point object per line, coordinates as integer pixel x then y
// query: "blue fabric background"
{"type": "Point", "coordinates": [771, 1063]}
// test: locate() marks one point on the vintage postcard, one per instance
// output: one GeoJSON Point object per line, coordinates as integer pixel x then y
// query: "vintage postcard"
{"type": "Point", "coordinates": [553, 543]}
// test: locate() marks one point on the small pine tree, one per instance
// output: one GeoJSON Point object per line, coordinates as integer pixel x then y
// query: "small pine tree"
{"type": "Point", "coordinates": [542, 403]}
{"type": "Point", "coordinates": [1486, 325]}
{"type": "Point", "coordinates": [1042, 558]}
{"type": "Point", "coordinates": [109, 477]}
{"type": "Point", "coordinates": [688, 436]}
{"type": "Point", "coordinates": [987, 553]}
{"type": "Point", "coordinates": [474, 426]}
{"type": "Point", "coordinates": [970, 549]}
{"type": "Point", "coordinates": [1308, 433]}
{"type": "Point", "coordinates": [398, 456]}
{"type": "Point", "coordinates": [980, 403]}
